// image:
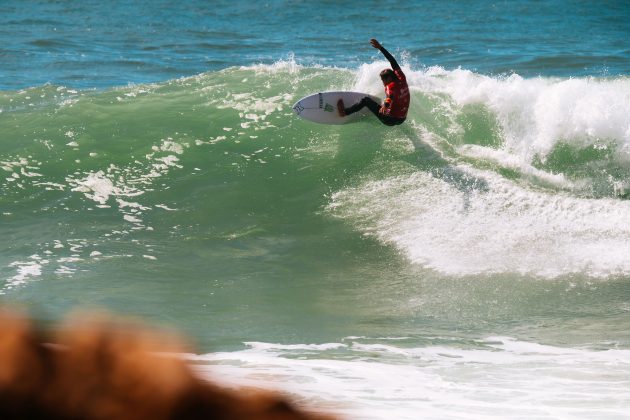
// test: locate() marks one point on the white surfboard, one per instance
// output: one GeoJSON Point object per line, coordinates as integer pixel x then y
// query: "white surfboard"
{"type": "Point", "coordinates": [322, 107]}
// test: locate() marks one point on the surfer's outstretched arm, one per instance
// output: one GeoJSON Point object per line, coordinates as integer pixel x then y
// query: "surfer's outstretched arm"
{"type": "Point", "coordinates": [386, 53]}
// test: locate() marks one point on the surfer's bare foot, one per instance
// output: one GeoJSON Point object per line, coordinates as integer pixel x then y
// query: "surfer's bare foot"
{"type": "Point", "coordinates": [341, 108]}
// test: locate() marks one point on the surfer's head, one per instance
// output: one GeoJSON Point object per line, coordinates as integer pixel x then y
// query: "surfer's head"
{"type": "Point", "coordinates": [388, 76]}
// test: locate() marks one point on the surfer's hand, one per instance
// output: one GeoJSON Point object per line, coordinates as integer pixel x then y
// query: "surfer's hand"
{"type": "Point", "coordinates": [375, 44]}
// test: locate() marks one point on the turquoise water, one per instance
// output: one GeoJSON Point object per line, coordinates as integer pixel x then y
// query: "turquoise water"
{"type": "Point", "coordinates": [472, 263]}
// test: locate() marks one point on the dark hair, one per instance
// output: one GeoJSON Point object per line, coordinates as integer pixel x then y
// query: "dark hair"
{"type": "Point", "coordinates": [388, 73]}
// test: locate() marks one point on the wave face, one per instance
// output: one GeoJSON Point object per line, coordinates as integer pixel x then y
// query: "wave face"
{"type": "Point", "coordinates": [499, 208]}
{"type": "Point", "coordinates": [530, 173]}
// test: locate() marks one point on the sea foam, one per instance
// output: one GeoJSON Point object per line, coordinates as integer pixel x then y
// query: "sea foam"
{"type": "Point", "coordinates": [498, 377]}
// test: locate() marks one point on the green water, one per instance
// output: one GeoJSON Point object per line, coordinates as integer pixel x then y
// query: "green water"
{"type": "Point", "coordinates": [204, 204]}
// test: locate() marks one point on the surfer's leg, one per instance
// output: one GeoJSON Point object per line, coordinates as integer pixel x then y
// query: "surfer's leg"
{"type": "Point", "coordinates": [375, 107]}
{"type": "Point", "coordinates": [372, 105]}
{"type": "Point", "coordinates": [367, 101]}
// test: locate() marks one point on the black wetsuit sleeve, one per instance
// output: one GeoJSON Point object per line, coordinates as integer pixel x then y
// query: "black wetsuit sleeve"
{"type": "Point", "coordinates": [390, 58]}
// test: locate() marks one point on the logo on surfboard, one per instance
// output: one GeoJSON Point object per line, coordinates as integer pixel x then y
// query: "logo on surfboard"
{"type": "Point", "coordinates": [328, 107]}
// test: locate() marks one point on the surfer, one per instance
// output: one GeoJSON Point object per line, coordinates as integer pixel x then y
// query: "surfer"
{"type": "Point", "coordinates": [396, 104]}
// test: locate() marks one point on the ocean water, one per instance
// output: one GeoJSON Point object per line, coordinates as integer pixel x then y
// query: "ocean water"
{"type": "Point", "coordinates": [472, 263]}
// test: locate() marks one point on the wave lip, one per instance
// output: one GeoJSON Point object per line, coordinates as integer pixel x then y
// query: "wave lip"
{"type": "Point", "coordinates": [536, 114]}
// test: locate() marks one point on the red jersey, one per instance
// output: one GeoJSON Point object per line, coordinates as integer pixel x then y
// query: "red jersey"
{"type": "Point", "coordinates": [398, 92]}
